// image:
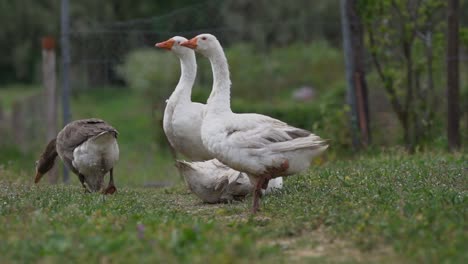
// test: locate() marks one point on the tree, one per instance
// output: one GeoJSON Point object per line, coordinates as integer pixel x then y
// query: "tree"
{"type": "Point", "coordinates": [353, 36]}
{"type": "Point", "coordinates": [402, 36]}
{"type": "Point", "coordinates": [453, 78]}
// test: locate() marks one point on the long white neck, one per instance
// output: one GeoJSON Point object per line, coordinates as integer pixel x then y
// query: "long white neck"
{"type": "Point", "coordinates": [188, 73]}
{"type": "Point", "coordinates": [220, 97]}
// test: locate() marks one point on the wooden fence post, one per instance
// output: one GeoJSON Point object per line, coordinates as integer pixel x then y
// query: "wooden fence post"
{"type": "Point", "coordinates": [50, 92]}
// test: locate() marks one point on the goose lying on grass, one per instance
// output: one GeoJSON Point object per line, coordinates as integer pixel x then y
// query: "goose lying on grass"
{"type": "Point", "coordinates": [89, 148]}
{"type": "Point", "coordinates": [261, 146]}
{"type": "Point", "coordinates": [182, 123]}
{"type": "Point", "coordinates": [214, 182]}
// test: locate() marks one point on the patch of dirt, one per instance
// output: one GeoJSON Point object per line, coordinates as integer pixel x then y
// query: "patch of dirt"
{"type": "Point", "coordinates": [318, 245]}
{"type": "Point", "coordinates": [306, 246]}
{"type": "Point", "coordinates": [236, 211]}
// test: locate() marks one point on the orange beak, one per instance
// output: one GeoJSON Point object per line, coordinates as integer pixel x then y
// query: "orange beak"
{"type": "Point", "coordinates": [38, 177]}
{"type": "Point", "coordinates": [191, 44]}
{"type": "Point", "coordinates": [166, 44]}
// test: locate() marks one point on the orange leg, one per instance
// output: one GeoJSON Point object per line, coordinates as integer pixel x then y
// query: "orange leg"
{"type": "Point", "coordinates": [111, 187]}
{"type": "Point", "coordinates": [261, 184]}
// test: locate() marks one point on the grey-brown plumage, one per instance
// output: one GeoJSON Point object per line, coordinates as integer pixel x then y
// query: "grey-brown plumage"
{"type": "Point", "coordinates": [47, 159]}
{"type": "Point", "coordinates": [77, 132]}
{"type": "Point", "coordinates": [88, 147]}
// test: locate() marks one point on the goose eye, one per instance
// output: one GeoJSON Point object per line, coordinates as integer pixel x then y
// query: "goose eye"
{"type": "Point", "coordinates": [204, 38]}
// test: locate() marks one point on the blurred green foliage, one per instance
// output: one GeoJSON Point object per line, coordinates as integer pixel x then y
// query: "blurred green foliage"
{"type": "Point", "coordinates": [267, 23]}
{"type": "Point", "coordinates": [464, 36]}
{"type": "Point", "coordinates": [24, 23]}
{"type": "Point", "coordinates": [255, 75]}
{"type": "Point", "coordinates": [151, 72]}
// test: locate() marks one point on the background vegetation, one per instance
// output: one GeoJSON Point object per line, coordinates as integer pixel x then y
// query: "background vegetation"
{"type": "Point", "coordinates": [112, 45]}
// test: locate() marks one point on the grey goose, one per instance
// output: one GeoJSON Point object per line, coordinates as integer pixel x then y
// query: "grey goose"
{"type": "Point", "coordinates": [89, 148]}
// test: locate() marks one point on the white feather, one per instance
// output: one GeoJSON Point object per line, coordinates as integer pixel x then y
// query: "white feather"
{"type": "Point", "coordinates": [96, 157]}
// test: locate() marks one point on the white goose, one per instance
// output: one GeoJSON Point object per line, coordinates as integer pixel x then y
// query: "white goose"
{"type": "Point", "coordinates": [214, 182]}
{"type": "Point", "coordinates": [182, 117]}
{"type": "Point", "coordinates": [261, 146]}
{"type": "Point", "coordinates": [182, 123]}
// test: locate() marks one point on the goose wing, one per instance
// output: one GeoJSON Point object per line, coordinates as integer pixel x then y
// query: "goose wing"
{"type": "Point", "coordinates": [254, 131]}
{"type": "Point", "coordinates": [79, 131]}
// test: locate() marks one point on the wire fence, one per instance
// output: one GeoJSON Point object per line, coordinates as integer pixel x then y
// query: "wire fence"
{"type": "Point", "coordinates": [98, 50]}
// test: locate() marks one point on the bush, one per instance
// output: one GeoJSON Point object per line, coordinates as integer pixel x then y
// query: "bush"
{"type": "Point", "coordinates": [281, 70]}
{"type": "Point", "coordinates": [152, 72]}
{"type": "Point", "coordinates": [255, 75]}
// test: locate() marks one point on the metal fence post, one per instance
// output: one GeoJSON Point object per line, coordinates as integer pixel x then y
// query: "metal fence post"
{"type": "Point", "coordinates": [65, 41]}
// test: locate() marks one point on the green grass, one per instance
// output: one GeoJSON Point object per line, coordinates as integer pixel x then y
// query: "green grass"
{"type": "Point", "coordinates": [384, 208]}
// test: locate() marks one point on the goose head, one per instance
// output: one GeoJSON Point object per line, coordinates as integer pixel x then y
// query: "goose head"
{"type": "Point", "coordinates": [46, 161]}
{"type": "Point", "coordinates": [95, 184]}
{"type": "Point", "coordinates": [173, 44]}
{"type": "Point", "coordinates": [203, 43]}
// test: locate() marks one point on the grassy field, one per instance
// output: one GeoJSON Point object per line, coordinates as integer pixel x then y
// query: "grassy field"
{"type": "Point", "coordinates": [383, 208]}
